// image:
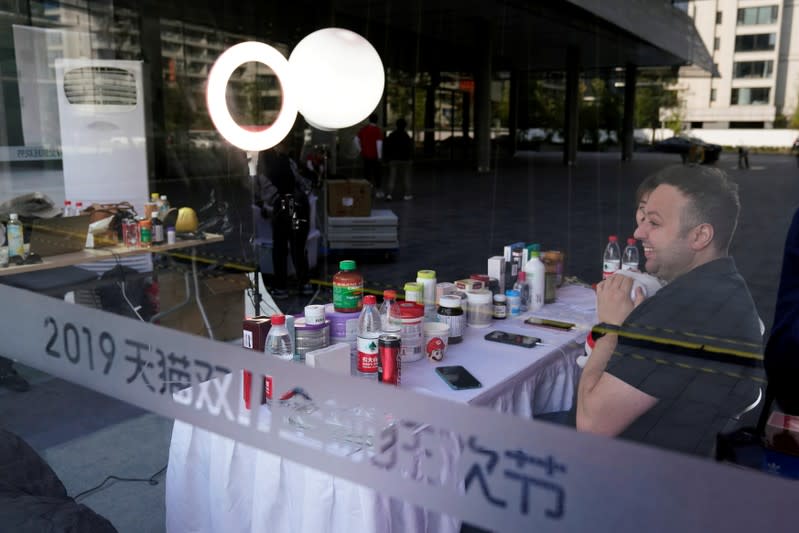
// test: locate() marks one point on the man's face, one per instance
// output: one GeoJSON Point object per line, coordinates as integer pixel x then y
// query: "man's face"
{"type": "Point", "coordinates": [667, 249]}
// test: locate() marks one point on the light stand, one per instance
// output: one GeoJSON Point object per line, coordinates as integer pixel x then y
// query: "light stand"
{"type": "Point", "coordinates": [256, 289]}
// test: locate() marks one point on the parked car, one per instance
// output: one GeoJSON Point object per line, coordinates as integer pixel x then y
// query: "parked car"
{"type": "Point", "coordinates": [706, 153]}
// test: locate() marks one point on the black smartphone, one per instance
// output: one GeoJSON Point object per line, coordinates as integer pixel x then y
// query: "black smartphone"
{"type": "Point", "coordinates": [547, 323]}
{"type": "Point", "coordinates": [457, 377]}
{"type": "Point", "coordinates": [513, 339]}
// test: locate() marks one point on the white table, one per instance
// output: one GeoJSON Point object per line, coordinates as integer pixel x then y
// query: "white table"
{"type": "Point", "coordinates": [215, 484]}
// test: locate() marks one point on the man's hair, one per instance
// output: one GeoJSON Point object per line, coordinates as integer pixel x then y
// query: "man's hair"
{"type": "Point", "coordinates": [401, 124]}
{"type": "Point", "coordinates": [647, 186]}
{"type": "Point", "coordinates": [712, 199]}
{"type": "Point", "coordinates": [373, 118]}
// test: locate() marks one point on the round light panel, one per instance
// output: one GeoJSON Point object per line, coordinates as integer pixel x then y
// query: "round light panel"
{"type": "Point", "coordinates": [218, 78]}
{"type": "Point", "coordinates": [339, 78]}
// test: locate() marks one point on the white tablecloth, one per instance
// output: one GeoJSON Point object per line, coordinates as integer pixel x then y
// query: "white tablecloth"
{"type": "Point", "coordinates": [215, 484]}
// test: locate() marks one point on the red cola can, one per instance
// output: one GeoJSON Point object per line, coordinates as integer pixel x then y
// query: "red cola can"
{"type": "Point", "coordinates": [388, 359]}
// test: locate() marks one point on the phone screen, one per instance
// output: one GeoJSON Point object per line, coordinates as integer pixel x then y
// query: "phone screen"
{"type": "Point", "coordinates": [457, 377]}
{"type": "Point", "coordinates": [513, 339]}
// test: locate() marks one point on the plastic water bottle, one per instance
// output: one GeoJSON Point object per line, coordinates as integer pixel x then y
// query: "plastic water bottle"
{"type": "Point", "coordinates": [278, 340]}
{"type": "Point", "coordinates": [629, 259]}
{"type": "Point", "coordinates": [535, 272]}
{"type": "Point", "coordinates": [16, 242]}
{"type": "Point", "coordinates": [611, 261]}
{"type": "Point", "coordinates": [68, 211]}
{"type": "Point", "coordinates": [389, 301]}
{"type": "Point", "coordinates": [524, 291]}
{"type": "Point", "coordinates": [369, 326]}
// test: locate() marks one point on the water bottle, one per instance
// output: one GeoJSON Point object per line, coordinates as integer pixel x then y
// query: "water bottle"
{"type": "Point", "coordinates": [278, 340]}
{"type": "Point", "coordinates": [68, 211]}
{"type": "Point", "coordinates": [389, 301]}
{"type": "Point", "coordinates": [16, 242]}
{"type": "Point", "coordinates": [535, 272]}
{"type": "Point", "coordinates": [611, 261]}
{"type": "Point", "coordinates": [629, 259]}
{"type": "Point", "coordinates": [524, 291]}
{"type": "Point", "coordinates": [369, 326]}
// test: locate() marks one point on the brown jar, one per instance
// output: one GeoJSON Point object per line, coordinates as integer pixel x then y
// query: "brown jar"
{"type": "Point", "coordinates": [347, 288]}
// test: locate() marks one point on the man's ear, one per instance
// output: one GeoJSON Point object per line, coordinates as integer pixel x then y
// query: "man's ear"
{"type": "Point", "coordinates": [702, 236]}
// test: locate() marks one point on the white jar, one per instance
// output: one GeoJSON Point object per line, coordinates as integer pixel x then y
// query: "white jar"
{"type": "Point", "coordinates": [481, 308]}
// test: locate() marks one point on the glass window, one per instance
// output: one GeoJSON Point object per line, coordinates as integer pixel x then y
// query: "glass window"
{"type": "Point", "coordinates": [718, 17]}
{"type": "Point", "coordinates": [750, 96]}
{"type": "Point", "coordinates": [755, 42]}
{"type": "Point", "coordinates": [757, 15]}
{"type": "Point", "coordinates": [716, 43]}
{"type": "Point", "coordinates": [713, 95]}
{"type": "Point", "coordinates": [753, 69]}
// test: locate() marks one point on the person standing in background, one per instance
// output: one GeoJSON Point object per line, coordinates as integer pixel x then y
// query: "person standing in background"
{"type": "Point", "coordinates": [281, 193]}
{"type": "Point", "coordinates": [399, 153]}
{"type": "Point", "coordinates": [370, 144]}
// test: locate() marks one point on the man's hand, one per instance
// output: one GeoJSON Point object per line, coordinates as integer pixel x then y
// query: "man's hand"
{"type": "Point", "coordinates": [613, 303]}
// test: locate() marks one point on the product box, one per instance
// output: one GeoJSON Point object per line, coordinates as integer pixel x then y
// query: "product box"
{"type": "Point", "coordinates": [349, 198]}
{"type": "Point", "coordinates": [496, 270]}
{"type": "Point", "coordinates": [782, 433]}
{"type": "Point", "coordinates": [781, 464]}
{"type": "Point", "coordinates": [222, 297]}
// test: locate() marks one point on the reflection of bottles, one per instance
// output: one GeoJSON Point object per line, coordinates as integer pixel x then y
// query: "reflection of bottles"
{"type": "Point", "coordinates": [157, 229]}
{"type": "Point", "coordinates": [278, 340]}
{"type": "Point", "coordinates": [524, 291]}
{"type": "Point", "coordinates": [611, 260]}
{"type": "Point", "coordinates": [629, 259]}
{"type": "Point", "coordinates": [535, 273]}
{"type": "Point", "coordinates": [369, 326]}
{"type": "Point", "coordinates": [16, 242]}
{"type": "Point", "coordinates": [389, 301]}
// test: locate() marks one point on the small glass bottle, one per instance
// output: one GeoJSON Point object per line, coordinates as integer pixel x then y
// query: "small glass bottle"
{"type": "Point", "coordinates": [16, 239]}
{"type": "Point", "coordinates": [157, 230]}
{"type": "Point", "coordinates": [500, 307]}
{"type": "Point", "coordinates": [450, 312]}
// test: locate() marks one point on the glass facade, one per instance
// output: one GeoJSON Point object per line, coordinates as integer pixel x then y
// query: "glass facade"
{"type": "Point", "coordinates": [750, 96]}
{"type": "Point", "coordinates": [104, 102]}
{"type": "Point", "coordinates": [757, 42]}
{"type": "Point", "coordinates": [753, 69]}
{"type": "Point", "coordinates": [748, 16]}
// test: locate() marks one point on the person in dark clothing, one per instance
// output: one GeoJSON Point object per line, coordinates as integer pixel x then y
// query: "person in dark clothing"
{"type": "Point", "coordinates": [675, 369]}
{"type": "Point", "coordinates": [398, 151]}
{"type": "Point", "coordinates": [782, 351]}
{"type": "Point", "coordinates": [282, 192]}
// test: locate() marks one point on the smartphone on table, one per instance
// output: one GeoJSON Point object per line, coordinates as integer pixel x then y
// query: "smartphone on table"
{"type": "Point", "coordinates": [514, 339]}
{"type": "Point", "coordinates": [457, 377]}
{"type": "Point", "coordinates": [547, 323]}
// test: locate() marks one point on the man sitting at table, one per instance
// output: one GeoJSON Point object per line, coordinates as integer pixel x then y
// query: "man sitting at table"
{"type": "Point", "coordinates": [683, 360]}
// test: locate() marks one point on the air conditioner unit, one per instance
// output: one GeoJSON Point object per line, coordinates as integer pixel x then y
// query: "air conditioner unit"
{"type": "Point", "coordinates": [103, 136]}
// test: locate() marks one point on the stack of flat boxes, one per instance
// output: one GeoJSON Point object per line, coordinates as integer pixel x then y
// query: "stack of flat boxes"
{"type": "Point", "coordinates": [375, 232]}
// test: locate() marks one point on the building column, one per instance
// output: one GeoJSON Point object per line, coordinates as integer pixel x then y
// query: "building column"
{"type": "Point", "coordinates": [628, 121]}
{"type": "Point", "coordinates": [150, 33]}
{"type": "Point", "coordinates": [429, 142]}
{"type": "Point", "coordinates": [482, 104]}
{"type": "Point", "coordinates": [572, 106]}
{"type": "Point", "coordinates": [513, 109]}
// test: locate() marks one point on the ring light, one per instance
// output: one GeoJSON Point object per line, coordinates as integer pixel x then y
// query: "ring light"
{"type": "Point", "coordinates": [218, 78]}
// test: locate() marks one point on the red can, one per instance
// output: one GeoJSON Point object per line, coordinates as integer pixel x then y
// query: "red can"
{"type": "Point", "coordinates": [388, 359]}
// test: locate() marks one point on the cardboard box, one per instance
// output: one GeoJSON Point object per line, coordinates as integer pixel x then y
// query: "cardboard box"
{"type": "Point", "coordinates": [222, 297]}
{"type": "Point", "coordinates": [349, 198]}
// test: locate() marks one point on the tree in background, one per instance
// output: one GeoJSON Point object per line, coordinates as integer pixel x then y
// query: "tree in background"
{"type": "Point", "coordinates": [653, 92]}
